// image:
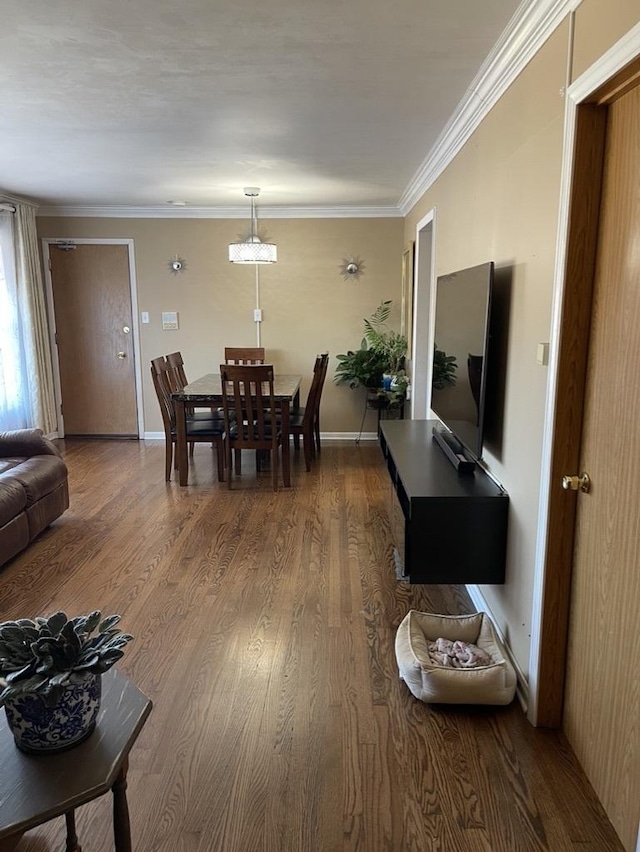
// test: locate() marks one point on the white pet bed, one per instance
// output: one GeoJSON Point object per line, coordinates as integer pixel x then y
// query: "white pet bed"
{"type": "Point", "coordinates": [491, 684]}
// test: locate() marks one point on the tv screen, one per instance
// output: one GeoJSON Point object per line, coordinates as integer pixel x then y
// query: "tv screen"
{"type": "Point", "coordinates": [463, 304]}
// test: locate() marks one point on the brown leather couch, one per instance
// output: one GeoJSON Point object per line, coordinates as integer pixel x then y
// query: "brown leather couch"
{"type": "Point", "coordinates": [33, 488]}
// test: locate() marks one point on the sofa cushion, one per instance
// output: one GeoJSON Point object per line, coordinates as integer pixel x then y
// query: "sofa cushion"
{"type": "Point", "coordinates": [13, 499]}
{"type": "Point", "coordinates": [38, 476]}
{"type": "Point", "coordinates": [10, 462]}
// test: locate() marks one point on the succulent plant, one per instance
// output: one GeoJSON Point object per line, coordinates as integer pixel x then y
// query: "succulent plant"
{"type": "Point", "coordinates": [43, 655]}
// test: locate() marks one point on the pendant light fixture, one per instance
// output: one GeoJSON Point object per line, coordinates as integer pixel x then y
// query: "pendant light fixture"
{"type": "Point", "coordinates": [253, 250]}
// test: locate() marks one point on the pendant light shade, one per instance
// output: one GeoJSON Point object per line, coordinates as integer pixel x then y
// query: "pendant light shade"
{"type": "Point", "coordinates": [253, 250]}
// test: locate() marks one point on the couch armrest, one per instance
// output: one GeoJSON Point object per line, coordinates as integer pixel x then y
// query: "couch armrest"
{"type": "Point", "coordinates": [24, 443]}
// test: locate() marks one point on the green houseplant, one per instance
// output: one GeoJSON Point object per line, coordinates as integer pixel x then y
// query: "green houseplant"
{"type": "Point", "coordinates": [50, 671]}
{"type": "Point", "coordinates": [382, 353]}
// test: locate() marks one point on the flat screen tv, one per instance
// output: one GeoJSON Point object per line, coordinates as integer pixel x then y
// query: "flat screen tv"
{"type": "Point", "coordinates": [459, 379]}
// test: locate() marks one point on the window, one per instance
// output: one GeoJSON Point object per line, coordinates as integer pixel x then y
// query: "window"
{"type": "Point", "coordinates": [13, 391]}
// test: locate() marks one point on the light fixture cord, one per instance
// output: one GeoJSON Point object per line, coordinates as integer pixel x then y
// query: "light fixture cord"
{"type": "Point", "coordinates": [258, 323]}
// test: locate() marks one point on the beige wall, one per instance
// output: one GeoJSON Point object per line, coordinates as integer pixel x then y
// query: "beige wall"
{"type": "Point", "coordinates": [307, 306]}
{"type": "Point", "coordinates": [499, 200]}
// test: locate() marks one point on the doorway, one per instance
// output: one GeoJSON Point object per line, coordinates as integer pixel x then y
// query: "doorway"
{"type": "Point", "coordinates": [92, 307]}
{"type": "Point", "coordinates": [423, 300]}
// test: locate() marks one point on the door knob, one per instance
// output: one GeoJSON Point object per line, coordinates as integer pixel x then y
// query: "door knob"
{"type": "Point", "coordinates": [122, 355]}
{"type": "Point", "coordinates": [576, 483]}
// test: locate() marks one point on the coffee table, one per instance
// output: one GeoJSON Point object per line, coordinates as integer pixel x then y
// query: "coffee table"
{"type": "Point", "coordinates": [37, 788]}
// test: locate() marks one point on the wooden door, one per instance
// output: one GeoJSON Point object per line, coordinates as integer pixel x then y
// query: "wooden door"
{"type": "Point", "coordinates": [93, 316]}
{"type": "Point", "coordinates": [602, 686]}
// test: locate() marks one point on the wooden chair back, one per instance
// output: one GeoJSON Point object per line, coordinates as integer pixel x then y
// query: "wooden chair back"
{"type": "Point", "coordinates": [249, 407]}
{"type": "Point", "coordinates": [163, 387]}
{"type": "Point", "coordinates": [175, 362]}
{"type": "Point", "coordinates": [244, 354]}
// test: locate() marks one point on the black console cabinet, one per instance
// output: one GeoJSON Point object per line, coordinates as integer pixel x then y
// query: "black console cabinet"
{"type": "Point", "coordinates": [449, 527]}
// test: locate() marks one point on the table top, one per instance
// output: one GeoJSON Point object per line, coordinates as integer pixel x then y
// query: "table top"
{"type": "Point", "coordinates": [209, 387]}
{"type": "Point", "coordinates": [36, 788]}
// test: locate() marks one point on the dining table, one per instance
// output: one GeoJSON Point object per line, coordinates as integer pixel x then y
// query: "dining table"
{"type": "Point", "coordinates": [206, 392]}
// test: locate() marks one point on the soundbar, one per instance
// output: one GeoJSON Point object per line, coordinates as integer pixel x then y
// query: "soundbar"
{"type": "Point", "coordinates": [453, 450]}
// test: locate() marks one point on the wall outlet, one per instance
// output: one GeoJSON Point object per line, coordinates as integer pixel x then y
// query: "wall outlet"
{"type": "Point", "coordinates": [257, 315]}
{"type": "Point", "coordinates": [144, 316]}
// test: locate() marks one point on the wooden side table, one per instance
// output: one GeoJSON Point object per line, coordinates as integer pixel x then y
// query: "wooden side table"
{"type": "Point", "coordinates": [37, 788]}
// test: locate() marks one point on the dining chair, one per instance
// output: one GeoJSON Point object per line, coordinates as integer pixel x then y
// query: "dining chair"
{"type": "Point", "coordinates": [178, 379]}
{"type": "Point", "coordinates": [304, 422]}
{"type": "Point", "coordinates": [248, 402]}
{"type": "Point", "coordinates": [199, 429]}
{"type": "Point", "coordinates": [244, 354]}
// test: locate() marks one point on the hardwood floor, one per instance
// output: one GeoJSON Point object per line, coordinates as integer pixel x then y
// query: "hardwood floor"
{"type": "Point", "coordinates": [264, 629]}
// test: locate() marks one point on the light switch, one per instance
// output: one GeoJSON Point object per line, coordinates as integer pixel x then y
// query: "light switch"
{"type": "Point", "coordinates": [144, 316]}
{"type": "Point", "coordinates": [257, 315]}
{"type": "Point", "coordinates": [542, 356]}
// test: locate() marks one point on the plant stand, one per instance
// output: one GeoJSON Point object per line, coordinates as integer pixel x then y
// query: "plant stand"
{"type": "Point", "coordinates": [374, 402]}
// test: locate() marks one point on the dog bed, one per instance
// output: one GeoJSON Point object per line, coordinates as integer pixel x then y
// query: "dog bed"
{"type": "Point", "coordinates": [494, 683]}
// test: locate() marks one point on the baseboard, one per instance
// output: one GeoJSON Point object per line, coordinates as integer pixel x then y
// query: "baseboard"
{"type": "Point", "coordinates": [324, 436]}
{"type": "Point", "coordinates": [480, 603]}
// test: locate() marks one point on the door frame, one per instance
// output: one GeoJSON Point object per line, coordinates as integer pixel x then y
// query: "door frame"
{"type": "Point", "coordinates": [47, 242]}
{"type": "Point", "coordinates": [423, 311]}
{"type": "Point", "coordinates": [582, 160]}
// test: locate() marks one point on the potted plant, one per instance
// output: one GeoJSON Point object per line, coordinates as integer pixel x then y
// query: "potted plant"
{"type": "Point", "coordinates": [50, 676]}
{"type": "Point", "coordinates": [379, 363]}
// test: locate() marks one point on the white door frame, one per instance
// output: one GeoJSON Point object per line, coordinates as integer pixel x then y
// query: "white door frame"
{"type": "Point", "coordinates": [613, 61]}
{"type": "Point", "coordinates": [47, 242]}
{"type": "Point", "coordinates": [423, 309]}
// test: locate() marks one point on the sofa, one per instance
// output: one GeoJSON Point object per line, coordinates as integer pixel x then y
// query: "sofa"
{"type": "Point", "coordinates": [33, 488]}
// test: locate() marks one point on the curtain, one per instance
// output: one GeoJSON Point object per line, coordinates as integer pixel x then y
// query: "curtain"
{"type": "Point", "coordinates": [40, 386]}
{"type": "Point", "coordinates": [27, 394]}
{"type": "Point", "coordinates": [14, 408]}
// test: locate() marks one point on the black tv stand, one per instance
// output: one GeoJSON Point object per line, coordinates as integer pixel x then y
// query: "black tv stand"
{"type": "Point", "coordinates": [446, 528]}
{"type": "Point", "coordinates": [453, 450]}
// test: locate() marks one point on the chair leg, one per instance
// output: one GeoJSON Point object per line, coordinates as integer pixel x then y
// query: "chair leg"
{"type": "Point", "coordinates": [191, 446]}
{"type": "Point", "coordinates": [274, 465]}
{"type": "Point", "coordinates": [307, 446]}
{"type": "Point", "coordinates": [237, 456]}
{"type": "Point", "coordinates": [229, 472]}
{"type": "Point", "coordinates": [220, 460]}
{"type": "Point", "coordinates": [168, 460]}
{"type": "Point", "coordinates": [316, 429]}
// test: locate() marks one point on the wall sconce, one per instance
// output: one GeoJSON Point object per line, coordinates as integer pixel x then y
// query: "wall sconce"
{"type": "Point", "coordinates": [351, 267]}
{"type": "Point", "coordinates": [177, 264]}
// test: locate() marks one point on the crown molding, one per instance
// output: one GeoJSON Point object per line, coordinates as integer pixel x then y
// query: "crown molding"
{"type": "Point", "coordinates": [17, 199]}
{"type": "Point", "coordinates": [527, 31]}
{"type": "Point", "coordinates": [193, 212]}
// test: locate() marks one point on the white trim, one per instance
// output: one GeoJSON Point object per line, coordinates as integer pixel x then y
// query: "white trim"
{"type": "Point", "coordinates": [620, 55]}
{"type": "Point", "coordinates": [529, 28]}
{"type": "Point", "coordinates": [422, 316]}
{"type": "Point", "coordinates": [480, 603]}
{"type": "Point", "coordinates": [324, 436]}
{"type": "Point", "coordinates": [218, 212]}
{"type": "Point", "coordinates": [47, 242]}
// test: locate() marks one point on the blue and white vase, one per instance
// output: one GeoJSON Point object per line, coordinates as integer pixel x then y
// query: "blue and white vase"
{"type": "Point", "coordinates": [42, 725]}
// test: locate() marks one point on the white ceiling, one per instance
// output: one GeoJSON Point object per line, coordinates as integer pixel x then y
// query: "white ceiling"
{"type": "Point", "coordinates": [319, 103]}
